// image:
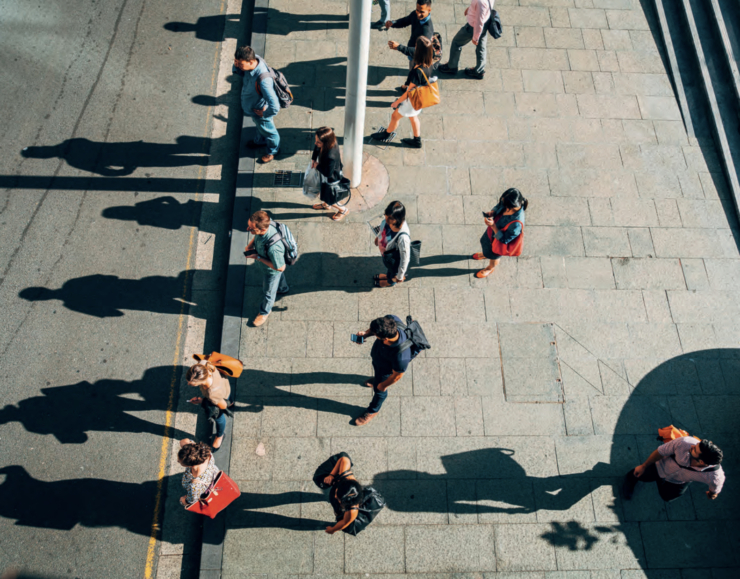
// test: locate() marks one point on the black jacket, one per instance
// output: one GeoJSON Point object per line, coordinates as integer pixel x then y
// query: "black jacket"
{"type": "Point", "coordinates": [330, 165]}
{"type": "Point", "coordinates": [417, 29]}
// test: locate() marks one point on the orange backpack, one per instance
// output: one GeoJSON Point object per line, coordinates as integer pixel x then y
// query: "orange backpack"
{"type": "Point", "coordinates": [669, 433]}
{"type": "Point", "coordinates": [226, 365]}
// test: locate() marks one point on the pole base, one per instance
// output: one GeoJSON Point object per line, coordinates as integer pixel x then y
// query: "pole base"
{"type": "Point", "coordinates": [373, 187]}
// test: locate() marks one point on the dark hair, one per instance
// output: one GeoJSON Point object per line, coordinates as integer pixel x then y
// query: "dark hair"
{"type": "Point", "coordinates": [424, 2]}
{"type": "Point", "coordinates": [328, 139]}
{"type": "Point", "coordinates": [194, 454]}
{"type": "Point", "coordinates": [424, 52]}
{"type": "Point", "coordinates": [245, 53]}
{"type": "Point", "coordinates": [396, 212]}
{"type": "Point", "coordinates": [261, 219]}
{"type": "Point", "coordinates": [710, 452]}
{"type": "Point", "coordinates": [349, 493]}
{"type": "Point", "coordinates": [384, 328]}
{"type": "Point", "coordinates": [513, 198]}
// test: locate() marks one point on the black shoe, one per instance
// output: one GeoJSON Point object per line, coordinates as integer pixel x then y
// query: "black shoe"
{"type": "Point", "coordinates": [446, 69]}
{"type": "Point", "coordinates": [472, 73]}
{"type": "Point", "coordinates": [252, 145]}
{"type": "Point", "coordinates": [414, 143]}
{"type": "Point", "coordinates": [379, 25]}
{"type": "Point", "coordinates": [628, 488]}
{"type": "Point", "coordinates": [382, 135]}
{"type": "Point", "coordinates": [283, 293]}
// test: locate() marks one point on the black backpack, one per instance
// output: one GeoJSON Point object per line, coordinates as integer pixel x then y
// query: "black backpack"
{"type": "Point", "coordinates": [372, 503]}
{"type": "Point", "coordinates": [493, 25]}
{"type": "Point", "coordinates": [414, 337]}
{"type": "Point", "coordinates": [283, 234]}
{"type": "Point", "coordinates": [282, 88]}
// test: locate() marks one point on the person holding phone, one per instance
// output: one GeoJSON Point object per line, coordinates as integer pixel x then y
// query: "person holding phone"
{"type": "Point", "coordinates": [390, 361]}
{"type": "Point", "coordinates": [505, 223]}
{"type": "Point", "coordinates": [217, 396]}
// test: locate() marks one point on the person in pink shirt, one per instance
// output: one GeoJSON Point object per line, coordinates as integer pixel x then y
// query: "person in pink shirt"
{"type": "Point", "coordinates": [475, 29]}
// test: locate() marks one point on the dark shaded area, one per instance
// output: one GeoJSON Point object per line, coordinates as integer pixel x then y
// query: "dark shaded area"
{"type": "Point", "coordinates": [89, 502]}
{"type": "Point", "coordinates": [106, 296]}
{"type": "Point", "coordinates": [241, 513]}
{"type": "Point", "coordinates": [120, 159]}
{"type": "Point", "coordinates": [487, 474]}
{"type": "Point", "coordinates": [212, 28]}
{"type": "Point", "coordinates": [70, 412]}
{"type": "Point", "coordinates": [574, 536]}
{"type": "Point", "coordinates": [702, 388]}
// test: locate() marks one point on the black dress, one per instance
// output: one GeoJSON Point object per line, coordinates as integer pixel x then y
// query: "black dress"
{"type": "Point", "coordinates": [330, 164]}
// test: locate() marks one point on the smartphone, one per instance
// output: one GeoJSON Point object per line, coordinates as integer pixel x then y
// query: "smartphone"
{"type": "Point", "coordinates": [251, 253]}
{"type": "Point", "coordinates": [485, 214]}
{"type": "Point", "coordinates": [357, 339]}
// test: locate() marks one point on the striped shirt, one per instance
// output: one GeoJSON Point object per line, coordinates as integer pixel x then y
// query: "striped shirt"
{"type": "Point", "coordinates": [677, 453]}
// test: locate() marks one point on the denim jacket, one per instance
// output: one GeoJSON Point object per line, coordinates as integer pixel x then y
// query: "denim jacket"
{"type": "Point", "coordinates": [514, 230]}
{"type": "Point", "coordinates": [251, 99]}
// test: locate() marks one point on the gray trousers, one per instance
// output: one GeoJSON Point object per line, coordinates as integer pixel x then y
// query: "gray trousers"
{"type": "Point", "coordinates": [463, 37]}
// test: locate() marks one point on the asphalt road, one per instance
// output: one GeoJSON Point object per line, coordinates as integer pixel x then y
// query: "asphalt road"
{"type": "Point", "coordinates": [102, 154]}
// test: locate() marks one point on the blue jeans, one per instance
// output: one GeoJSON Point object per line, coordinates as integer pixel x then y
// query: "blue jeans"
{"type": "Point", "coordinates": [272, 283]}
{"type": "Point", "coordinates": [378, 396]}
{"type": "Point", "coordinates": [463, 37]}
{"type": "Point", "coordinates": [385, 10]}
{"type": "Point", "coordinates": [221, 420]}
{"type": "Point", "coordinates": [267, 134]}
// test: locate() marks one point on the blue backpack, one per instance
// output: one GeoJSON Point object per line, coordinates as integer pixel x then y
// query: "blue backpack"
{"type": "Point", "coordinates": [283, 234]}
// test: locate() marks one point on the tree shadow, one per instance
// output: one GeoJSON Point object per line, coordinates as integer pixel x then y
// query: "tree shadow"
{"type": "Point", "coordinates": [70, 412]}
{"type": "Point", "coordinates": [574, 536]}
{"type": "Point", "coordinates": [121, 159]}
{"type": "Point", "coordinates": [106, 296]}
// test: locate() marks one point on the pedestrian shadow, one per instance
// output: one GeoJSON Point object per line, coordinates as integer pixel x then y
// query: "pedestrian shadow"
{"type": "Point", "coordinates": [243, 513]}
{"type": "Point", "coordinates": [259, 388]}
{"type": "Point", "coordinates": [88, 502]}
{"type": "Point", "coordinates": [218, 27]}
{"type": "Point", "coordinates": [107, 296]}
{"type": "Point", "coordinates": [70, 412]}
{"type": "Point", "coordinates": [121, 159]}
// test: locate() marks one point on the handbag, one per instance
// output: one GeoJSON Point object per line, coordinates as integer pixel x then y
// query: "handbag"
{"type": "Point", "coordinates": [335, 193]}
{"type": "Point", "coordinates": [422, 97]}
{"type": "Point", "coordinates": [220, 494]}
{"type": "Point", "coordinates": [226, 365]}
{"type": "Point", "coordinates": [513, 248]}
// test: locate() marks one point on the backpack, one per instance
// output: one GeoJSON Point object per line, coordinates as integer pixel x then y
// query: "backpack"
{"type": "Point", "coordinates": [282, 88]}
{"type": "Point", "coordinates": [493, 25]}
{"type": "Point", "coordinates": [283, 234]}
{"type": "Point", "coordinates": [372, 503]}
{"type": "Point", "coordinates": [415, 337]}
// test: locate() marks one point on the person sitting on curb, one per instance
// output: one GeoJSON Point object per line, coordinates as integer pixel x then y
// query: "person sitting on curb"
{"type": "Point", "coordinates": [389, 361]}
{"type": "Point", "coordinates": [271, 262]}
{"type": "Point", "coordinates": [327, 160]}
{"type": "Point", "coordinates": [477, 15]}
{"type": "Point", "coordinates": [675, 465]}
{"type": "Point", "coordinates": [261, 104]}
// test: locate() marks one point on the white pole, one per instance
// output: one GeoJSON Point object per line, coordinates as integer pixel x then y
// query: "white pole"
{"type": "Point", "coordinates": [354, 102]}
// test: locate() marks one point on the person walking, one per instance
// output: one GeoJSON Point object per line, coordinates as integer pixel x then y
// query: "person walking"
{"type": "Point", "coordinates": [345, 494]}
{"type": "Point", "coordinates": [505, 229]}
{"type": "Point", "coordinates": [201, 470]}
{"type": "Point", "coordinates": [675, 465]}
{"type": "Point", "coordinates": [259, 100]}
{"type": "Point", "coordinates": [390, 358]}
{"type": "Point", "coordinates": [420, 21]}
{"type": "Point", "coordinates": [327, 160]}
{"type": "Point", "coordinates": [422, 73]}
{"type": "Point", "coordinates": [394, 243]}
{"type": "Point", "coordinates": [474, 30]}
{"type": "Point", "coordinates": [217, 396]}
{"type": "Point", "coordinates": [385, 14]}
{"type": "Point", "coordinates": [271, 260]}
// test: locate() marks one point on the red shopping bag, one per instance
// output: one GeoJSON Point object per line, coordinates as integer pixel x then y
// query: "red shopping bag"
{"type": "Point", "coordinates": [220, 494]}
{"type": "Point", "coordinates": [513, 248]}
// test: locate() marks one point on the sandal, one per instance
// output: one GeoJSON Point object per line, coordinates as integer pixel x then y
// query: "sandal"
{"type": "Point", "coordinates": [319, 207]}
{"type": "Point", "coordinates": [377, 277]}
{"type": "Point", "coordinates": [477, 258]}
{"type": "Point", "coordinates": [483, 273]}
{"type": "Point", "coordinates": [339, 215]}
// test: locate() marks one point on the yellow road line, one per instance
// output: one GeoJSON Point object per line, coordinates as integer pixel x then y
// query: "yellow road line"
{"type": "Point", "coordinates": [169, 414]}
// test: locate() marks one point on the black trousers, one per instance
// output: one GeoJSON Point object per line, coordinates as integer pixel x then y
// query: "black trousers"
{"type": "Point", "coordinates": [668, 491]}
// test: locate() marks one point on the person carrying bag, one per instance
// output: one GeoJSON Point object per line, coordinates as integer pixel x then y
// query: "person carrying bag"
{"type": "Point", "coordinates": [327, 161]}
{"type": "Point", "coordinates": [209, 490]}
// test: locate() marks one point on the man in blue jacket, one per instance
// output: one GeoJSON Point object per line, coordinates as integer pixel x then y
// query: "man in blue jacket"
{"type": "Point", "coordinates": [259, 100]}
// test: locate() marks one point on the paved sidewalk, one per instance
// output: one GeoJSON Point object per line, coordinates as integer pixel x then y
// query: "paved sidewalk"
{"type": "Point", "coordinates": [500, 451]}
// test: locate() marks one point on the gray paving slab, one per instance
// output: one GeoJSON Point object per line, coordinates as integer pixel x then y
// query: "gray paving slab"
{"type": "Point", "coordinates": [360, 554]}
{"type": "Point", "coordinates": [457, 548]}
{"type": "Point", "coordinates": [519, 548]}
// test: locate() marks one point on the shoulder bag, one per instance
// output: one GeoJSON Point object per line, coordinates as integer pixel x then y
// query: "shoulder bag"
{"type": "Point", "coordinates": [422, 97]}
{"type": "Point", "coordinates": [513, 248]}
{"type": "Point", "coordinates": [220, 494]}
{"type": "Point", "coordinates": [226, 365]}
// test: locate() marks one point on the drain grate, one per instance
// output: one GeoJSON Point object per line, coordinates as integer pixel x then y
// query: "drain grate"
{"type": "Point", "coordinates": [288, 179]}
